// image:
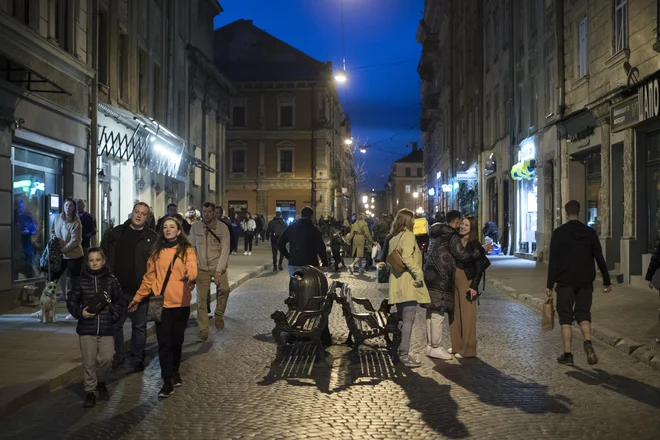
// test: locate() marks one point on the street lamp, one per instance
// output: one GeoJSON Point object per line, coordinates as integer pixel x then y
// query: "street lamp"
{"type": "Point", "coordinates": [348, 141]}
{"type": "Point", "coordinates": [415, 195]}
{"type": "Point", "coordinates": [365, 199]}
{"type": "Point", "coordinates": [340, 77]}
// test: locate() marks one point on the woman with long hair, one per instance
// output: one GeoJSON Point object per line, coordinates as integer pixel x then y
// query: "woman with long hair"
{"type": "Point", "coordinates": [249, 226]}
{"type": "Point", "coordinates": [171, 269]}
{"type": "Point", "coordinates": [463, 319]}
{"type": "Point", "coordinates": [67, 229]}
{"type": "Point", "coordinates": [407, 288]}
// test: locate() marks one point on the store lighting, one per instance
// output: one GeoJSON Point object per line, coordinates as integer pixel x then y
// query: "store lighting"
{"type": "Point", "coordinates": [446, 188]}
{"type": "Point", "coordinates": [365, 199]}
{"type": "Point", "coordinates": [415, 195]}
{"type": "Point", "coordinates": [431, 192]}
{"type": "Point", "coordinates": [366, 205]}
{"type": "Point", "coordinates": [455, 185]}
{"type": "Point", "coordinates": [438, 175]}
{"type": "Point", "coordinates": [166, 152]}
{"type": "Point", "coordinates": [373, 207]}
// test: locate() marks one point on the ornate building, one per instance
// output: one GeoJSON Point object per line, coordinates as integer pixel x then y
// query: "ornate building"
{"type": "Point", "coordinates": [285, 142]}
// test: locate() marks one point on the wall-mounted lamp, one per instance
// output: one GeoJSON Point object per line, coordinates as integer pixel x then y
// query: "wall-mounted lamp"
{"type": "Point", "coordinates": [141, 184]}
{"type": "Point", "coordinates": [101, 176]}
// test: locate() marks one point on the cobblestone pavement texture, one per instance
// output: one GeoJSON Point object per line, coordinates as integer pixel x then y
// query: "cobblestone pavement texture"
{"type": "Point", "coordinates": [514, 389]}
{"type": "Point", "coordinates": [629, 311]}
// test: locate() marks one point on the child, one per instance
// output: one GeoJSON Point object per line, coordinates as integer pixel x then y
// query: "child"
{"type": "Point", "coordinates": [97, 302]}
{"type": "Point", "coordinates": [336, 244]}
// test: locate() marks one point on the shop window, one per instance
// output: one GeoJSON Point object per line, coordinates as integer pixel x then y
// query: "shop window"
{"type": "Point", "coordinates": [35, 176]}
{"type": "Point", "coordinates": [592, 179]}
{"type": "Point", "coordinates": [238, 208]}
{"type": "Point", "coordinates": [288, 210]}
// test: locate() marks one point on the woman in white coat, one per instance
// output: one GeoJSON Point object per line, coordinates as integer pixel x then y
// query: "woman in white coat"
{"type": "Point", "coordinates": [249, 226]}
{"type": "Point", "coordinates": [68, 230]}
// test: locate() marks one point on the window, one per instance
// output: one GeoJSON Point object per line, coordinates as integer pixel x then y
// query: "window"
{"type": "Point", "coordinates": [239, 113]}
{"type": "Point", "coordinates": [238, 161]}
{"type": "Point", "coordinates": [487, 124]}
{"type": "Point", "coordinates": [143, 91]}
{"type": "Point", "coordinates": [158, 94]}
{"type": "Point", "coordinates": [521, 100]}
{"type": "Point", "coordinates": [62, 28]}
{"type": "Point", "coordinates": [197, 174]}
{"type": "Point", "coordinates": [620, 25]}
{"type": "Point", "coordinates": [123, 65]}
{"type": "Point", "coordinates": [583, 69]}
{"type": "Point", "coordinates": [285, 113]}
{"type": "Point", "coordinates": [321, 105]}
{"type": "Point", "coordinates": [550, 88]}
{"type": "Point", "coordinates": [408, 172]}
{"type": "Point", "coordinates": [419, 172]}
{"type": "Point", "coordinates": [533, 103]}
{"type": "Point", "coordinates": [182, 113]}
{"type": "Point", "coordinates": [104, 50]}
{"type": "Point", "coordinates": [21, 11]}
{"type": "Point", "coordinates": [407, 189]}
{"type": "Point", "coordinates": [285, 160]}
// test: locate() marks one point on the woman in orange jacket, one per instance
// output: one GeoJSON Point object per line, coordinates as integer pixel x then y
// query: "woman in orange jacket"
{"type": "Point", "coordinates": [171, 250]}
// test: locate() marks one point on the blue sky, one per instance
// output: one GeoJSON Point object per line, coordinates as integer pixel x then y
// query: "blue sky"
{"type": "Point", "coordinates": [383, 102]}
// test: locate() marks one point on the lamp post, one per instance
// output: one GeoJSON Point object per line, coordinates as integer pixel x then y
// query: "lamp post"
{"type": "Point", "coordinates": [415, 195]}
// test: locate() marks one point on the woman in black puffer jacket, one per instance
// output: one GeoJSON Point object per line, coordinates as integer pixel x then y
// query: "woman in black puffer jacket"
{"type": "Point", "coordinates": [97, 302]}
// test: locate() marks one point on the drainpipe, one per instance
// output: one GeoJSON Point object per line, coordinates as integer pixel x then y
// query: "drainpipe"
{"type": "Point", "coordinates": [512, 135]}
{"type": "Point", "coordinates": [94, 128]}
{"type": "Point", "coordinates": [559, 11]}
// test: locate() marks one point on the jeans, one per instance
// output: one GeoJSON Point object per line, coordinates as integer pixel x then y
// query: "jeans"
{"type": "Point", "coordinates": [204, 279]}
{"type": "Point", "coordinates": [248, 241]}
{"type": "Point", "coordinates": [408, 311]}
{"type": "Point", "coordinates": [138, 333]}
{"type": "Point", "coordinates": [171, 332]}
{"type": "Point", "coordinates": [275, 249]}
{"type": "Point", "coordinates": [97, 354]}
{"type": "Point", "coordinates": [361, 262]}
{"type": "Point", "coordinates": [71, 270]}
{"type": "Point", "coordinates": [434, 322]}
{"type": "Point", "coordinates": [292, 269]}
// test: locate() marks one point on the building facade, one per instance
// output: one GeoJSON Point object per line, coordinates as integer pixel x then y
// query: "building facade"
{"type": "Point", "coordinates": [406, 182]}
{"type": "Point", "coordinates": [285, 141]}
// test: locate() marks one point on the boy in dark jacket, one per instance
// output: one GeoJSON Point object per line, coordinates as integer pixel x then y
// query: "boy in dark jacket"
{"type": "Point", "coordinates": [336, 243]}
{"type": "Point", "coordinates": [273, 232]}
{"type": "Point", "coordinates": [97, 302]}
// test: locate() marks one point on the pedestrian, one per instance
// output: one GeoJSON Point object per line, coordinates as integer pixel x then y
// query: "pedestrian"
{"type": "Point", "coordinates": [96, 301]}
{"type": "Point", "coordinates": [236, 226]}
{"type": "Point", "coordinates": [463, 320]}
{"type": "Point", "coordinates": [440, 217]}
{"type": "Point", "coordinates": [654, 264]}
{"type": "Point", "coordinates": [382, 229]}
{"type": "Point", "coordinates": [336, 243]}
{"type": "Point", "coordinates": [88, 225]}
{"type": "Point", "coordinates": [127, 248]}
{"type": "Point", "coordinates": [259, 228]}
{"type": "Point", "coordinates": [573, 248]}
{"type": "Point", "coordinates": [172, 209]}
{"type": "Point", "coordinates": [440, 275]}
{"type": "Point", "coordinates": [26, 225]}
{"type": "Point", "coordinates": [249, 226]}
{"type": "Point", "coordinates": [407, 288]}
{"type": "Point", "coordinates": [171, 270]}
{"type": "Point", "coordinates": [273, 232]}
{"type": "Point", "coordinates": [68, 230]}
{"type": "Point", "coordinates": [491, 230]}
{"type": "Point", "coordinates": [305, 242]}
{"type": "Point", "coordinates": [211, 240]}
{"type": "Point", "coordinates": [360, 238]}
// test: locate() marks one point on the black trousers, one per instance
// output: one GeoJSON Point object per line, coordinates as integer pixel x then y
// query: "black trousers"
{"type": "Point", "coordinates": [275, 249]}
{"type": "Point", "coordinates": [170, 331]}
{"type": "Point", "coordinates": [249, 236]}
{"type": "Point", "coordinates": [574, 304]}
{"type": "Point", "coordinates": [336, 256]}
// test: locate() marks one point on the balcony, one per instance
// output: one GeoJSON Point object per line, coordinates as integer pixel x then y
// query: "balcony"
{"type": "Point", "coordinates": [425, 70]}
{"type": "Point", "coordinates": [425, 124]}
{"type": "Point", "coordinates": [431, 47]}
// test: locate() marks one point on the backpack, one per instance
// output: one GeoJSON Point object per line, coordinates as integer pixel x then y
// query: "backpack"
{"type": "Point", "coordinates": [278, 227]}
{"type": "Point", "coordinates": [52, 258]}
{"type": "Point", "coordinates": [233, 241]}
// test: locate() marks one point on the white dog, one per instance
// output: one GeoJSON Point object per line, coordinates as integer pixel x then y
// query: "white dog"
{"type": "Point", "coordinates": [48, 301]}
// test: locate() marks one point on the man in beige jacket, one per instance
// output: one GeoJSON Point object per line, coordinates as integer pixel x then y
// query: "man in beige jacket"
{"type": "Point", "coordinates": [211, 241]}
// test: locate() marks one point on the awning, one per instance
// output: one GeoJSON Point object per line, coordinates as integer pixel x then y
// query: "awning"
{"type": "Point", "coordinates": [150, 145]}
{"type": "Point", "coordinates": [577, 124]}
{"type": "Point", "coordinates": [16, 73]}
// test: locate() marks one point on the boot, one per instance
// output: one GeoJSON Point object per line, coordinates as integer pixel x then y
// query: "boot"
{"type": "Point", "coordinates": [90, 400]}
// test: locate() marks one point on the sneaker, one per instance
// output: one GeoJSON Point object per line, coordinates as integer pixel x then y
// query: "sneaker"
{"type": "Point", "coordinates": [591, 354]}
{"type": "Point", "coordinates": [177, 382]}
{"type": "Point", "coordinates": [450, 350]}
{"type": "Point", "coordinates": [566, 359]}
{"type": "Point", "coordinates": [219, 322]}
{"type": "Point", "coordinates": [410, 361]}
{"type": "Point", "coordinates": [279, 266]}
{"type": "Point", "coordinates": [440, 353]}
{"type": "Point", "coordinates": [245, 253]}
{"type": "Point", "coordinates": [203, 336]}
{"type": "Point", "coordinates": [103, 391]}
{"type": "Point", "coordinates": [167, 390]}
{"type": "Point", "coordinates": [90, 400]}
{"type": "Point", "coordinates": [250, 253]}
{"type": "Point", "coordinates": [428, 349]}
{"type": "Point", "coordinates": [70, 317]}
{"type": "Point", "coordinates": [116, 363]}
{"type": "Point", "coordinates": [458, 356]}
{"type": "Point", "coordinates": [138, 367]}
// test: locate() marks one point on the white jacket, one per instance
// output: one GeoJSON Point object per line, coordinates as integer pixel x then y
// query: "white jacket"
{"type": "Point", "coordinates": [71, 234]}
{"type": "Point", "coordinates": [249, 225]}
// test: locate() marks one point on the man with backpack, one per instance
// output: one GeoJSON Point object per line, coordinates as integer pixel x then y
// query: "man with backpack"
{"type": "Point", "coordinates": [212, 242]}
{"type": "Point", "coordinates": [273, 232]}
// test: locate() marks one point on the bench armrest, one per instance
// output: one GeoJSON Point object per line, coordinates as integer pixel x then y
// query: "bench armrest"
{"type": "Point", "coordinates": [364, 303]}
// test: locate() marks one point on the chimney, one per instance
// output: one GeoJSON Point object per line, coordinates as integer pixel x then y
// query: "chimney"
{"type": "Point", "coordinates": [414, 146]}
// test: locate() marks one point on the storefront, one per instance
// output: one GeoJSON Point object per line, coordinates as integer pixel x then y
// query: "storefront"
{"type": "Point", "coordinates": [652, 170]}
{"type": "Point", "coordinates": [527, 201]}
{"type": "Point", "coordinates": [287, 208]}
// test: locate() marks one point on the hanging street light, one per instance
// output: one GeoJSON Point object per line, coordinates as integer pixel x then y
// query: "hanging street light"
{"type": "Point", "coordinates": [340, 77]}
{"type": "Point", "coordinates": [348, 141]}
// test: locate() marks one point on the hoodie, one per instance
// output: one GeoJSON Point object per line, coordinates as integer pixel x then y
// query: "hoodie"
{"type": "Point", "coordinates": [573, 249]}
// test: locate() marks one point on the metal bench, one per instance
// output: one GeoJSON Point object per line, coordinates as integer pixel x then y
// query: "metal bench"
{"type": "Point", "coordinates": [370, 323]}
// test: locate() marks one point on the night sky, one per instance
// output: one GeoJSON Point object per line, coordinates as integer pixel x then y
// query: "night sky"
{"type": "Point", "coordinates": [383, 102]}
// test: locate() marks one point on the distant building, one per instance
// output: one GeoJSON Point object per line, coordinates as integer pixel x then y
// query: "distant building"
{"type": "Point", "coordinates": [407, 180]}
{"type": "Point", "coordinates": [286, 134]}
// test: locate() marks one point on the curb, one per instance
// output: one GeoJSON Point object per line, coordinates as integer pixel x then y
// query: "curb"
{"type": "Point", "coordinates": [643, 353]}
{"type": "Point", "coordinates": [75, 372]}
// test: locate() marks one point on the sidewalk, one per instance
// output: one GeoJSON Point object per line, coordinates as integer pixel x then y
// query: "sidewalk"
{"type": "Point", "coordinates": [626, 318]}
{"type": "Point", "coordinates": [39, 358]}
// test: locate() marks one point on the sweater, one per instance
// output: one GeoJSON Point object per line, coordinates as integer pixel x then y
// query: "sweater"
{"type": "Point", "coordinates": [177, 293]}
{"type": "Point", "coordinates": [71, 233]}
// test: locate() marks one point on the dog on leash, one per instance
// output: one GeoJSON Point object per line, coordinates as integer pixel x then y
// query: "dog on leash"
{"type": "Point", "coordinates": [48, 303]}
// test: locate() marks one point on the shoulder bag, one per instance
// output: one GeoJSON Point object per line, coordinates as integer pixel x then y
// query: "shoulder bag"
{"type": "Point", "coordinates": [395, 260]}
{"type": "Point", "coordinates": [155, 309]}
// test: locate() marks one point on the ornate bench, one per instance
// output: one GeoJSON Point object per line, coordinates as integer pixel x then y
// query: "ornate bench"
{"type": "Point", "coordinates": [369, 323]}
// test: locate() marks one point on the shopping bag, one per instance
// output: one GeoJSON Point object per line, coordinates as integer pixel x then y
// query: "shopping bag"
{"type": "Point", "coordinates": [548, 316]}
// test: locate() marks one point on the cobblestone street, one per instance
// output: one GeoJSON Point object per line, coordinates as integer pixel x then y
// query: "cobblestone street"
{"type": "Point", "coordinates": [515, 389]}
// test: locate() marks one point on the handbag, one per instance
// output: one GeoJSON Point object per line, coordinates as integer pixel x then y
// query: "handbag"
{"type": "Point", "coordinates": [548, 316]}
{"type": "Point", "coordinates": [155, 309]}
{"type": "Point", "coordinates": [395, 259]}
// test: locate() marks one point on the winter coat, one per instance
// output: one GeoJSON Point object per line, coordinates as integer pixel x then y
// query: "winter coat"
{"type": "Point", "coordinates": [83, 294]}
{"type": "Point", "coordinates": [654, 264]}
{"type": "Point", "coordinates": [336, 243]}
{"type": "Point", "coordinates": [382, 229]}
{"type": "Point", "coordinates": [440, 267]}
{"type": "Point", "coordinates": [259, 224]}
{"type": "Point", "coordinates": [212, 255]}
{"type": "Point", "coordinates": [573, 248]}
{"type": "Point", "coordinates": [361, 237]}
{"type": "Point", "coordinates": [142, 250]}
{"type": "Point", "coordinates": [475, 269]}
{"type": "Point", "coordinates": [249, 225]}
{"type": "Point", "coordinates": [71, 233]}
{"type": "Point", "coordinates": [275, 228]}
{"type": "Point", "coordinates": [402, 287]}
{"type": "Point", "coordinates": [306, 244]}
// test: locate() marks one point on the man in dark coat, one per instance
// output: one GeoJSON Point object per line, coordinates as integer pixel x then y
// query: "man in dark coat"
{"type": "Point", "coordinates": [273, 232]}
{"type": "Point", "coordinates": [439, 272]}
{"type": "Point", "coordinates": [305, 242]}
{"type": "Point", "coordinates": [382, 229]}
{"type": "Point", "coordinates": [127, 249]}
